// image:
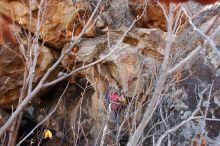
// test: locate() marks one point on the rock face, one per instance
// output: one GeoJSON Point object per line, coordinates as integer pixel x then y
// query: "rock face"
{"type": "Point", "coordinates": [12, 64]}
{"type": "Point", "coordinates": [123, 73]}
{"type": "Point", "coordinates": [150, 15]}
{"type": "Point", "coordinates": [61, 19]}
{"type": "Point", "coordinates": [116, 87]}
{"type": "Point", "coordinates": [122, 70]}
{"type": "Point", "coordinates": [11, 71]}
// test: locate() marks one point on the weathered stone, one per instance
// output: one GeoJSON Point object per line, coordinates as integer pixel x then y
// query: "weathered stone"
{"type": "Point", "coordinates": [123, 69]}
{"type": "Point", "coordinates": [12, 67]}
{"type": "Point", "coordinates": [150, 15]}
{"type": "Point", "coordinates": [61, 19]}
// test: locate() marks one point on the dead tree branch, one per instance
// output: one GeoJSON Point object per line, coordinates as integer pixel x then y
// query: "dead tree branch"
{"type": "Point", "coordinates": [159, 86]}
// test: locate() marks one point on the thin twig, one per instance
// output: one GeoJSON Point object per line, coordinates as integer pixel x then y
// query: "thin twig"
{"type": "Point", "coordinates": [39, 87]}
{"type": "Point", "coordinates": [47, 117]}
{"type": "Point", "coordinates": [185, 60]}
{"type": "Point", "coordinates": [154, 101]}
{"type": "Point", "coordinates": [210, 41]}
{"type": "Point", "coordinates": [171, 130]}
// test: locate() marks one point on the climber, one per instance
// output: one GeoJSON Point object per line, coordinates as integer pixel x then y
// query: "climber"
{"type": "Point", "coordinates": [115, 101]}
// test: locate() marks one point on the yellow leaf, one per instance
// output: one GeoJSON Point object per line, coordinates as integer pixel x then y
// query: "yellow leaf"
{"type": "Point", "coordinates": [48, 134]}
{"type": "Point", "coordinates": [178, 75]}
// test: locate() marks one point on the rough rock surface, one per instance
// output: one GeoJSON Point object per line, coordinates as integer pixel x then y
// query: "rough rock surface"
{"type": "Point", "coordinates": [115, 91]}
{"type": "Point", "coordinates": [123, 69]}
{"type": "Point", "coordinates": [150, 15]}
{"type": "Point", "coordinates": [60, 19]}
{"type": "Point", "coordinates": [12, 67]}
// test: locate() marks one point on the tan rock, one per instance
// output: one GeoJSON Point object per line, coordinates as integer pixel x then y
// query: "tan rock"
{"type": "Point", "coordinates": [153, 17]}
{"type": "Point", "coordinates": [6, 32]}
{"type": "Point", "coordinates": [12, 66]}
{"type": "Point", "coordinates": [59, 19]}
{"type": "Point", "coordinates": [123, 69]}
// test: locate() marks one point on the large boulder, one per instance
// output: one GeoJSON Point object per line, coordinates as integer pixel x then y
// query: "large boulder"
{"type": "Point", "coordinates": [13, 65]}
{"type": "Point", "coordinates": [150, 14]}
{"type": "Point", "coordinates": [123, 69]}
{"type": "Point", "coordinates": [59, 20]}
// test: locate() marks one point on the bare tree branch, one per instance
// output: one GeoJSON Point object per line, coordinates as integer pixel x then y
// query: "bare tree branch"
{"type": "Point", "coordinates": [159, 86]}
{"type": "Point", "coordinates": [183, 122]}
{"type": "Point", "coordinates": [46, 118]}
{"type": "Point", "coordinates": [39, 87]}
